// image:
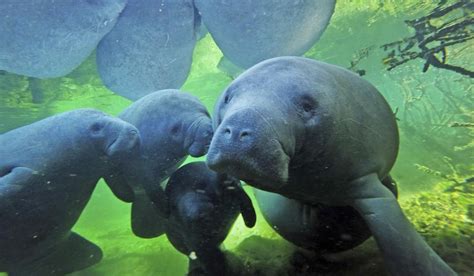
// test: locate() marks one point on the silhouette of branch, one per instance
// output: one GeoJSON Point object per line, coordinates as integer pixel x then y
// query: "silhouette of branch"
{"type": "Point", "coordinates": [455, 31]}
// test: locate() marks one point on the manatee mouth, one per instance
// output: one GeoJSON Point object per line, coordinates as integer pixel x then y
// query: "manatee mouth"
{"type": "Point", "coordinates": [127, 142]}
{"type": "Point", "coordinates": [197, 150]}
{"type": "Point", "coordinates": [267, 173]}
{"type": "Point", "coordinates": [271, 182]}
{"type": "Point", "coordinates": [199, 136]}
{"type": "Point", "coordinates": [109, 150]}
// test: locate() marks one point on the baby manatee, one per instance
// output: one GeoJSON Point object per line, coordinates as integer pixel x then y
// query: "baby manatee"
{"type": "Point", "coordinates": [173, 125]}
{"type": "Point", "coordinates": [48, 171]}
{"type": "Point", "coordinates": [318, 133]}
{"type": "Point", "coordinates": [204, 205]}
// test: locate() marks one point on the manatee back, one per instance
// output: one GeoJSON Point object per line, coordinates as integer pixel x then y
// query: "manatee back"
{"type": "Point", "coordinates": [248, 32]}
{"type": "Point", "coordinates": [47, 143]}
{"type": "Point", "coordinates": [150, 47]}
{"type": "Point", "coordinates": [57, 35]}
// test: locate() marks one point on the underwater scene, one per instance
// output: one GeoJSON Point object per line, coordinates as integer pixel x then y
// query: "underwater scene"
{"type": "Point", "coordinates": [220, 137]}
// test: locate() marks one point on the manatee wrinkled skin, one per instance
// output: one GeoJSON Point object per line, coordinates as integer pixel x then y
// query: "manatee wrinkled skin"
{"type": "Point", "coordinates": [248, 32]}
{"type": "Point", "coordinates": [204, 205]}
{"type": "Point", "coordinates": [150, 48]}
{"type": "Point", "coordinates": [47, 39]}
{"type": "Point", "coordinates": [318, 133]}
{"type": "Point", "coordinates": [48, 171]}
{"type": "Point", "coordinates": [173, 125]}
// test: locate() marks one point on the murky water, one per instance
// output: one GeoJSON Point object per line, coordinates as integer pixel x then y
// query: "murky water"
{"type": "Point", "coordinates": [435, 117]}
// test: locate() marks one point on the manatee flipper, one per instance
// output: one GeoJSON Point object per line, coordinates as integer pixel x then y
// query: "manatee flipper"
{"type": "Point", "coordinates": [16, 176]}
{"type": "Point", "coordinates": [229, 68]}
{"type": "Point", "coordinates": [404, 251]}
{"type": "Point", "coordinates": [157, 195]}
{"type": "Point", "coordinates": [200, 30]}
{"type": "Point", "coordinates": [246, 209]}
{"type": "Point", "coordinates": [12, 182]}
{"type": "Point", "coordinates": [146, 222]}
{"type": "Point", "coordinates": [76, 253]}
{"type": "Point", "coordinates": [119, 186]}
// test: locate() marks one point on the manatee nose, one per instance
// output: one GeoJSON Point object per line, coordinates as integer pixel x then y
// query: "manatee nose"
{"type": "Point", "coordinates": [238, 135]}
{"type": "Point", "coordinates": [127, 141]}
{"type": "Point", "coordinates": [133, 138]}
{"type": "Point", "coordinates": [228, 144]}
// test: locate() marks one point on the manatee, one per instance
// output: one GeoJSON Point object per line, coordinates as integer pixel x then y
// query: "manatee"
{"type": "Point", "coordinates": [150, 48]}
{"type": "Point", "coordinates": [47, 39]}
{"type": "Point", "coordinates": [172, 125]}
{"type": "Point", "coordinates": [316, 227]}
{"type": "Point", "coordinates": [204, 205]}
{"type": "Point", "coordinates": [318, 133]}
{"type": "Point", "coordinates": [248, 32]}
{"type": "Point", "coordinates": [48, 171]}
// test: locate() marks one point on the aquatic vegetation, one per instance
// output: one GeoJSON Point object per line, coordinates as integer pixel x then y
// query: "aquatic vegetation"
{"type": "Point", "coordinates": [443, 220]}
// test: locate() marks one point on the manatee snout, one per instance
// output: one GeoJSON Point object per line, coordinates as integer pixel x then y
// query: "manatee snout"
{"type": "Point", "coordinates": [247, 146]}
{"type": "Point", "coordinates": [201, 137]}
{"type": "Point", "coordinates": [125, 141]}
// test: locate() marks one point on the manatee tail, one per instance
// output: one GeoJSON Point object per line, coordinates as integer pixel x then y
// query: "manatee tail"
{"type": "Point", "coordinates": [76, 253]}
{"type": "Point", "coordinates": [404, 251]}
{"type": "Point", "coordinates": [146, 222]}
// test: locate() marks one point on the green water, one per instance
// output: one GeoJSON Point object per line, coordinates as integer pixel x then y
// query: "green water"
{"type": "Point", "coordinates": [432, 155]}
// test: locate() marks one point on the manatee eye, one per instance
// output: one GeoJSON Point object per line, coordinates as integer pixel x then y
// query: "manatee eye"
{"type": "Point", "coordinates": [95, 127]}
{"type": "Point", "coordinates": [226, 99]}
{"type": "Point", "coordinates": [308, 105]}
{"type": "Point", "coordinates": [175, 129]}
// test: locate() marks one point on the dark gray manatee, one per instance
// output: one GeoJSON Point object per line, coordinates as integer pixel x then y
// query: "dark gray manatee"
{"type": "Point", "coordinates": [318, 133]}
{"type": "Point", "coordinates": [150, 48]}
{"type": "Point", "coordinates": [316, 227]}
{"type": "Point", "coordinates": [173, 125]}
{"type": "Point", "coordinates": [248, 32]}
{"type": "Point", "coordinates": [48, 171]}
{"type": "Point", "coordinates": [46, 39]}
{"type": "Point", "coordinates": [204, 205]}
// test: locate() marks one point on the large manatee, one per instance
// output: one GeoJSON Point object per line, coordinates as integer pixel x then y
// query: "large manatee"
{"type": "Point", "coordinates": [248, 32]}
{"type": "Point", "coordinates": [47, 38]}
{"type": "Point", "coordinates": [150, 47]}
{"type": "Point", "coordinates": [203, 207]}
{"type": "Point", "coordinates": [48, 171]}
{"type": "Point", "coordinates": [318, 133]}
{"type": "Point", "coordinates": [173, 125]}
